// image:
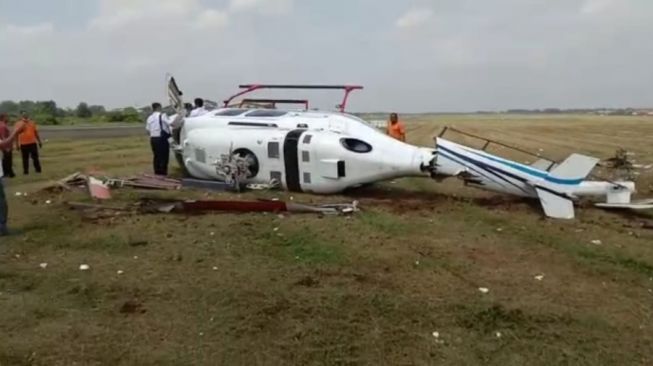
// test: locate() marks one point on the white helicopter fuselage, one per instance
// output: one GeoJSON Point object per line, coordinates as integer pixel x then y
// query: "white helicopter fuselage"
{"type": "Point", "coordinates": [314, 152]}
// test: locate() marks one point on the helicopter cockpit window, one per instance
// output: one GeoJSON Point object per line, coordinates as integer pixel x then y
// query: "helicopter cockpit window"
{"type": "Point", "coordinates": [356, 145]}
{"type": "Point", "coordinates": [266, 113]}
{"type": "Point", "coordinates": [230, 112]}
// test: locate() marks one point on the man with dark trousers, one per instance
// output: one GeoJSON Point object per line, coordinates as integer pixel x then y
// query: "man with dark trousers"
{"type": "Point", "coordinates": [28, 143]}
{"type": "Point", "coordinates": [7, 159]}
{"type": "Point", "coordinates": [4, 143]}
{"type": "Point", "coordinates": [159, 129]}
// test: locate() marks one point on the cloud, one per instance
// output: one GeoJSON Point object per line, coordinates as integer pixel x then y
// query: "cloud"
{"type": "Point", "coordinates": [267, 7]}
{"type": "Point", "coordinates": [211, 18]}
{"type": "Point", "coordinates": [29, 30]}
{"type": "Point", "coordinates": [462, 55]}
{"type": "Point", "coordinates": [414, 18]}
{"type": "Point", "coordinates": [116, 14]}
{"type": "Point", "coordinates": [592, 7]}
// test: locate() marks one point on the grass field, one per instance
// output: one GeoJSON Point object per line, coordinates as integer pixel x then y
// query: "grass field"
{"type": "Point", "coordinates": [369, 289]}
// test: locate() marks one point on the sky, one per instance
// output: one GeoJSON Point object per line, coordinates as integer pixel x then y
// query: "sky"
{"type": "Point", "coordinates": [411, 55]}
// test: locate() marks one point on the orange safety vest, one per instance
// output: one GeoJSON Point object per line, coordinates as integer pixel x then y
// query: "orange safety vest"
{"type": "Point", "coordinates": [28, 136]}
{"type": "Point", "coordinates": [397, 130]}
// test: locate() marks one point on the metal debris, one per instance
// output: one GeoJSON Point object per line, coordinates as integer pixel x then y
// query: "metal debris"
{"type": "Point", "coordinates": [484, 290]}
{"type": "Point", "coordinates": [166, 206]}
{"type": "Point", "coordinates": [208, 185]}
{"type": "Point", "coordinates": [98, 189]}
{"type": "Point", "coordinates": [84, 267]}
{"type": "Point", "coordinates": [597, 242]}
{"type": "Point", "coordinates": [539, 277]}
{"type": "Point", "coordinates": [43, 265]}
{"type": "Point", "coordinates": [146, 181]}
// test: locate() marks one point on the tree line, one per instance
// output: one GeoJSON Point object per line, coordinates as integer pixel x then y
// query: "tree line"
{"type": "Point", "coordinates": [48, 113]}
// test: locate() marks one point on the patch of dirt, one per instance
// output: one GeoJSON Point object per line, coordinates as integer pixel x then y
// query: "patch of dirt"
{"type": "Point", "coordinates": [132, 307]}
{"type": "Point", "coordinates": [307, 281]}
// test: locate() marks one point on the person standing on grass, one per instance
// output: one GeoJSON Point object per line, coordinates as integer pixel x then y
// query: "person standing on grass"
{"type": "Point", "coordinates": [28, 143]}
{"type": "Point", "coordinates": [7, 159]}
{"type": "Point", "coordinates": [396, 128]}
{"type": "Point", "coordinates": [158, 126]}
{"type": "Point", "coordinates": [4, 144]}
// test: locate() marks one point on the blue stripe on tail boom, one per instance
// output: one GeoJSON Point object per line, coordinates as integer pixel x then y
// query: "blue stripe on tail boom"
{"type": "Point", "coordinates": [522, 168]}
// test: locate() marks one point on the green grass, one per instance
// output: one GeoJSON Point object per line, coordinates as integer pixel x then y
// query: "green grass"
{"type": "Point", "coordinates": [298, 289]}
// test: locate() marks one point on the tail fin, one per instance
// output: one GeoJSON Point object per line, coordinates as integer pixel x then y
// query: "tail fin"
{"type": "Point", "coordinates": [575, 167]}
{"type": "Point", "coordinates": [555, 205]}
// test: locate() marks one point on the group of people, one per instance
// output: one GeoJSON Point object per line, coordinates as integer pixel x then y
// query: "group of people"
{"type": "Point", "coordinates": [25, 137]}
{"type": "Point", "coordinates": [27, 142]}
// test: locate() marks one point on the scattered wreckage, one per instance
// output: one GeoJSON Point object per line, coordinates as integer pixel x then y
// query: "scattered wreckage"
{"type": "Point", "coordinates": [99, 189]}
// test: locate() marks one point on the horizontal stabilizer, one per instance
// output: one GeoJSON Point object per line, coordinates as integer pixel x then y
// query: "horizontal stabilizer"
{"type": "Point", "coordinates": [575, 167]}
{"type": "Point", "coordinates": [638, 205]}
{"type": "Point", "coordinates": [554, 205]}
{"type": "Point", "coordinates": [543, 164]}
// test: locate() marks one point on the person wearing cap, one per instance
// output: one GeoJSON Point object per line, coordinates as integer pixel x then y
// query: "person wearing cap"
{"type": "Point", "coordinates": [6, 142]}
{"type": "Point", "coordinates": [7, 156]}
{"type": "Point", "coordinates": [28, 143]}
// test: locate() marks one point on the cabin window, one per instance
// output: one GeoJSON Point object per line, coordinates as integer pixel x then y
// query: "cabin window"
{"type": "Point", "coordinates": [341, 169]}
{"type": "Point", "coordinates": [307, 139]}
{"type": "Point", "coordinates": [307, 178]}
{"type": "Point", "coordinates": [253, 124]}
{"type": "Point", "coordinates": [266, 113]}
{"type": "Point", "coordinates": [306, 156]}
{"type": "Point", "coordinates": [356, 145]}
{"type": "Point", "coordinates": [275, 176]}
{"type": "Point", "coordinates": [273, 150]}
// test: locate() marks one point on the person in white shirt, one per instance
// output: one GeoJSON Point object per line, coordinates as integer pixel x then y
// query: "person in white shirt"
{"type": "Point", "coordinates": [199, 108]}
{"type": "Point", "coordinates": [159, 128]}
{"type": "Point", "coordinates": [5, 143]}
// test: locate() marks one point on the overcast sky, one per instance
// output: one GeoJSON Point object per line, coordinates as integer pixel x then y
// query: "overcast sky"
{"type": "Point", "coordinates": [411, 55]}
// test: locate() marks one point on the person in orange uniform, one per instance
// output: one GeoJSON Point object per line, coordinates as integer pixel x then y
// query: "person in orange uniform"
{"type": "Point", "coordinates": [28, 143]}
{"type": "Point", "coordinates": [396, 128]}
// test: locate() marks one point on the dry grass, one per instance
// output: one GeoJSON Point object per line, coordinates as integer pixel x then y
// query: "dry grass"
{"type": "Point", "coordinates": [367, 290]}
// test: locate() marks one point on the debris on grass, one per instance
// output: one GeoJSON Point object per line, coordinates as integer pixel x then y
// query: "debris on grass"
{"type": "Point", "coordinates": [539, 277]}
{"type": "Point", "coordinates": [119, 272]}
{"type": "Point", "coordinates": [84, 267]}
{"type": "Point", "coordinates": [498, 334]}
{"type": "Point", "coordinates": [597, 242]}
{"type": "Point", "coordinates": [208, 185]}
{"type": "Point", "coordinates": [98, 189]}
{"type": "Point", "coordinates": [483, 290]}
{"type": "Point", "coordinates": [189, 207]}
{"type": "Point", "coordinates": [43, 265]}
